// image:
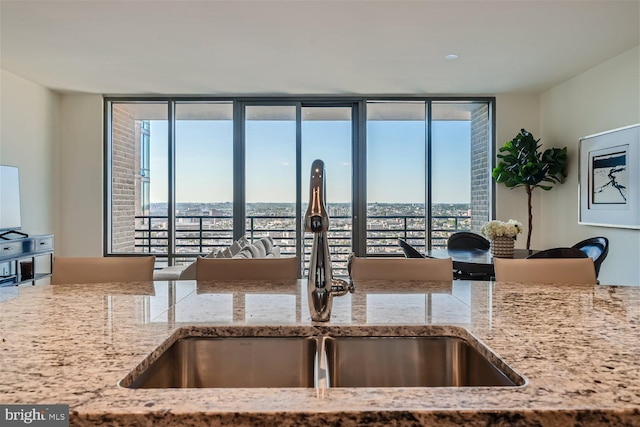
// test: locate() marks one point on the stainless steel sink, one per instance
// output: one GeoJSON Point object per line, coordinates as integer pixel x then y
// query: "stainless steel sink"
{"type": "Point", "coordinates": [338, 361]}
{"type": "Point", "coordinates": [202, 362]}
{"type": "Point", "coordinates": [430, 361]}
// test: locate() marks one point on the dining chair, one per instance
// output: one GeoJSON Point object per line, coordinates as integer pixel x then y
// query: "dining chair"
{"type": "Point", "coordinates": [467, 240]}
{"type": "Point", "coordinates": [102, 269]}
{"type": "Point", "coordinates": [409, 251]}
{"type": "Point", "coordinates": [545, 270]}
{"type": "Point", "coordinates": [597, 248]}
{"type": "Point", "coordinates": [559, 253]}
{"type": "Point", "coordinates": [284, 268]}
{"type": "Point", "coordinates": [426, 269]}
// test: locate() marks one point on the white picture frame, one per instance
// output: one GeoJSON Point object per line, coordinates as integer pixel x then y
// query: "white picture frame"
{"type": "Point", "coordinates": [609, 178]}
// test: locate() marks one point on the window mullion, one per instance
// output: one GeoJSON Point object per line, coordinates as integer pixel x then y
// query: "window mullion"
{"type": "Point", "coordinates": [359, 201]}
{"type": "Point", "coordinates": [171, 182]}
{"type": "Point", "coordinates": [239, 167]}
{"type": "Point", "coordinates": [428, 175]}
{"type": "Point", "coordinates": [299, 225]}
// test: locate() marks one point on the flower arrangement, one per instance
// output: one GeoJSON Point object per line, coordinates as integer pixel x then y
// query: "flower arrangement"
{"type": "Point", "coordinates": [493, 229]}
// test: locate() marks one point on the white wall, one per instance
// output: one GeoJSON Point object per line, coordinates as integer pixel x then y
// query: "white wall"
{"type": "Point", "coordinates": [513, 113]}
{"type": "Point", "coordinates": [56, 141]}
{"type": "Point", "coordinates": [604, 97]}
{"type": "Point", "coordinates": [80, 176]}
{"type": "Point", "coordinates": [28, 131]}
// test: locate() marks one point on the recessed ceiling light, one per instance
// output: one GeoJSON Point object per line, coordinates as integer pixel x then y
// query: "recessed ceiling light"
{"type": "Point", "coordinates": [451, 56]}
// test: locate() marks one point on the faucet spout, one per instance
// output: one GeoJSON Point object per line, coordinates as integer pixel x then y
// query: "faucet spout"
{"type": "Point", "coordinates": [316, 219]}
{"type": "Point", "coordinates": [321, 285]}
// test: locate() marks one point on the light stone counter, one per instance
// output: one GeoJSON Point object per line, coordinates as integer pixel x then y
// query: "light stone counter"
{"type": "Point", "coordinates": [577, 346]}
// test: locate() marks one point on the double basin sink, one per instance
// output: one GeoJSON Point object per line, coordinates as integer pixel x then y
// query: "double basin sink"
{"type": "Point", "coordinates": [325, 360]}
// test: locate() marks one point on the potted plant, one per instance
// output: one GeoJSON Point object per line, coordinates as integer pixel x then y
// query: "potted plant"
{"type": "Point", "coordinates": [502, 236]}
{"type": "Point", "coordinates": [522, 165]}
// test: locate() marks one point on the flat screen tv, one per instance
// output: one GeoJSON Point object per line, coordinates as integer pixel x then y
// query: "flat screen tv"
{"type": "Point", "coordinates": [10, 218]}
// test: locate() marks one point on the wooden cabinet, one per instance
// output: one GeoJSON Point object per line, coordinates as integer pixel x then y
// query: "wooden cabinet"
{"type": "Point", "coordinates": [26, 260]}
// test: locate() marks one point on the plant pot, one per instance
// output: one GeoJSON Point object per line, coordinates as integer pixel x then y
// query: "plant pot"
{"type": "Point", "coordinates": [502, 247]}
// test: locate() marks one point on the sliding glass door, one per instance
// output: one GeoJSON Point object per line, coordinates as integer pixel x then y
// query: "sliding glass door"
{"type": "Point", "coordinates": [281, 142]}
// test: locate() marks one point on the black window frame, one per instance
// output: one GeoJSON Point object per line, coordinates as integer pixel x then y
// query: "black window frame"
{"type": "Point", "coordinates": [359, 167]}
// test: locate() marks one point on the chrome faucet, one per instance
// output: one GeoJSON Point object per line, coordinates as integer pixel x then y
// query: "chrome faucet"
{"type": "Point", "coordinates": [321, 285]}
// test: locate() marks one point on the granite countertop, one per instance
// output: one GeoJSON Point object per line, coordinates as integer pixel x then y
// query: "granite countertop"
{"type": "Point", "coordinates": [578, 347]}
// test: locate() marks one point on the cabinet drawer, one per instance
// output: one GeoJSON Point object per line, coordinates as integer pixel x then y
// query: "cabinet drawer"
{"type": "Point", "coordinates": [44, 243]}
{"type": "Point", "coordinates": [9, 249]}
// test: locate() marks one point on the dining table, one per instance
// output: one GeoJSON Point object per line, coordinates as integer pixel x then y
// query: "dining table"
{"type": "Point", "coordinates": [474, 261]}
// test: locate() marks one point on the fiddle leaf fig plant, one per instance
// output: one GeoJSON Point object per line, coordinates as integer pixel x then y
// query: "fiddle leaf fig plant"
{"type": "Point", "coordinates": [521, 164]}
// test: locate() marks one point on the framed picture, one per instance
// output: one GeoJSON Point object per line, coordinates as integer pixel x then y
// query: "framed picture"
{"type": "Point", "coordinates": [609, 178]}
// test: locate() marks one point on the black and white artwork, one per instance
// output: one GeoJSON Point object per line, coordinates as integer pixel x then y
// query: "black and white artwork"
{"type": "Point", "coordinates": [610, 178]}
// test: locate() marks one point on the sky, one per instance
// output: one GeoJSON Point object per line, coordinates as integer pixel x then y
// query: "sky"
{"type": "Point", "coordinates": [395, 160]}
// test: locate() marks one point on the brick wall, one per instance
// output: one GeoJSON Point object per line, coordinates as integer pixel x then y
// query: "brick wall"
{"type": "Point", "coordinates": [480, 164]}
{"type": "Point", "coordinates": [125, 161]}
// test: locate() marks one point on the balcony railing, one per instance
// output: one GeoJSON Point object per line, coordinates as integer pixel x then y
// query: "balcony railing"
{"type": "Point", "coordinates": [200, 235]}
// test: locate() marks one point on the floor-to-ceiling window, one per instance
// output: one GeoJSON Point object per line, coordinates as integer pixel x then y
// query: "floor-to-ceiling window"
{"type": "Point", "coordinates": [396, 175]}
{"type": "Point", "coordinates": [203, 170]}
{"type": "Point", "coordinates": [460, 159]}
{"type": "Point", "coordinates": [427, 171]}
{"type": "Point", "coordinates": [417, 169]}
{"type": "Point", "coordinates": [270, 174]}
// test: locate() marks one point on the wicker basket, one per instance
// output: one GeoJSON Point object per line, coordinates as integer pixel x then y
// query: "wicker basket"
{"type": "Point", "coordinates": [502, 247]}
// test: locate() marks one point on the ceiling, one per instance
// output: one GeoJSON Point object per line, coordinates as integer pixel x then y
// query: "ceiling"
{"type": "Point", "coordinates": [311, 47]}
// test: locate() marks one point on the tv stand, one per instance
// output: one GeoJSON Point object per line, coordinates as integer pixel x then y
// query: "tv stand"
{"type": "Point", "coordinates": [19, 233]}
{"type": "Point", "coordinates": [25, 260]}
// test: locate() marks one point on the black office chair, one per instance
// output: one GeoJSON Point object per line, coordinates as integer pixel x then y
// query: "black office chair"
{"type": "Point", "coordinates": [467, 240]}
{"type": "Point", "coordinates": [559, 253]}
{"type": "Point", "coordinates": [596, 248]}
{"type": "Point", "coordinates": [409, 251]}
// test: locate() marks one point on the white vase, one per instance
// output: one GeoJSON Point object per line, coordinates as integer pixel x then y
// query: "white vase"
{"type": "Point", "coordinates": [502, 247]}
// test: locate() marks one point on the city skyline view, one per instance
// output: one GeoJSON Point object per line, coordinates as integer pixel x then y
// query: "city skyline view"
{"type": "Point", "coordinates": [396, 156]}
{"type": "Point", "coordinates": [260, 208]}
{"type": "Point", "coordinates": [208, 227]}
{"type": "Point", "coordinates": [202, 227]}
